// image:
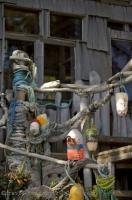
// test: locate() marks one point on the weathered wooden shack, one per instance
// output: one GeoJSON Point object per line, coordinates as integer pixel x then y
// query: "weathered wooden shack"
{"type": "Point", "coordinates": [74, 41]}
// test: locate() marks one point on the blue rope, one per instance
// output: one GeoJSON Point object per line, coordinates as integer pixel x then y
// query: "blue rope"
{"type": "Point", "coordinates": [62, 106]}
{"type": "Point", "coordinates": [23, 79]}
{"type": "Point", "coordinates": [11, 114]}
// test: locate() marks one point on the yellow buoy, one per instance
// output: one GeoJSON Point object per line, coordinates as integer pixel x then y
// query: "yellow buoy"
{"type": "Point", "coordinates": [42, 119]}
{"type": "Point", "coordinates": [76, 192]}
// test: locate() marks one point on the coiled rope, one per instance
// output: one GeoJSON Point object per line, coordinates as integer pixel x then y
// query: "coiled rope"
{"type": "Point", "coordinates": [22, 78]}
{"type": "Point", "coordinates": [104, 185]}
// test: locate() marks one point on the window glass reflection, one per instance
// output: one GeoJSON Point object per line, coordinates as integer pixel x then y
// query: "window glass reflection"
{"type": "Point", "coordinates": [21, 21]}
{"type": "Point", "coordinates": [65, 26]}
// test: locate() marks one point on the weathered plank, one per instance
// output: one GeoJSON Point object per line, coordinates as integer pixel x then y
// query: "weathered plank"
{"type": "Point", "coordinates": [78, 60]}
{"type": "Point", "coordinates": [94, 78]}
{"type": "Point", "coordinates": [114, 140]}
{"type": "Point", "coordinates": [105, 117]}
{"type": "Point", "coordinates": [81, 7]}
{"type": "Point", "coordinates": [39, 61]}
{"type": "Point", "coordinates": [122, 35]}
{"type": "Point", "coordinates": [115, 155]}
{"type": "Point", "coordinates": [87, 174]}
{"type": "Point", "coordinates": [97, 27]}
{"type": "Point", "coordinates": [76, 100]}
{"type": "Point", "coordinates": [101, 64]}
{"type": "Point", "coordinates": [123, 193]}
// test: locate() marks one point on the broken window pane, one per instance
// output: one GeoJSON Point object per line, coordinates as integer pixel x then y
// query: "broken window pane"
{"type": "Point", "coordinates": [12, 45]}
{"type": "Point", "coordinates": [20, 21]}
{"type": "Point", "coordinates": [121, 54]}
{"type": "Point", "coordinates": [58, 64]}
{"type": "Point", "coordinates": [65, 26]}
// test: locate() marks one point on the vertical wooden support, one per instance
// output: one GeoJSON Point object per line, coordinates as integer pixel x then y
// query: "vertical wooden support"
{"type": "Point", "coordinates": [86, 172]}
{"type": "Point", "coordinates": [94, 78]}
{"type": "Point", "coordinates": [105, 117]}
{"type": "Point", "coordinates": [2, 44]}
{"type": "Point", "coordinates": [76, 98]}
{"type": "Point", "coordinates": [44, 23]}
{"type": "Point", "coordinates": [39, 61]}
{"type": "Point", "coordinates": [2, 50]}
{"type": "Point", "coordinates": [77, 52]}
{"type": "Point", "coordinates": [85, 28]}
{"type": "Point", "coordinates": [111, 168]}
{"type": "Point", "coordinates": [58, 98]}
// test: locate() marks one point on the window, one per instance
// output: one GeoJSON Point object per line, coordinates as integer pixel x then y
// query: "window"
{"type": "Point", "coordinates": [12, 45]}
{"type": "Point", "coordinates": [121, 54]}
{"type": "Point", "coordinates": [116, 26]}
{"type": "Point", "coordinates": [58, 64]}
{"type": "Point", "coordinates": [21, 21]}
{"type": "Point", "coordinates": [65, 26]}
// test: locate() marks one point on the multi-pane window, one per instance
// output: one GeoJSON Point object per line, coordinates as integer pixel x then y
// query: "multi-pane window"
{"type": "Point", "coordinates": [65, 26]}
{"type": "Point", "coordinates": [21, 21]}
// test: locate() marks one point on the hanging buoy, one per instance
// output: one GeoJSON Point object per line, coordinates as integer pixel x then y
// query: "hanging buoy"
{"type": "Point", "coordinates": [76, 192]}
{"type": "Point", "coordinates": [34, 128]}
{"type": "Point", "coordinates": [75, 146]}
{"type": "Point", "coordinates": [42, 119]}
{"type": "Point", "coordinates": [121, 103]}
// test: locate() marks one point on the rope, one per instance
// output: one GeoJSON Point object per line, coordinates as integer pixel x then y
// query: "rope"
{"type": "Point", "coordinates": [22, 78]}
{"type": "Point", "coordinates": [62, 106]}
{"type": "Point", "coordinates": [103, 170]}
{"type": "Point", "coordinates": [104, 185]}
{"type": "Point", "coordinates": [67, 168]}
{"type": "Point", "coordinates": [122, 87]}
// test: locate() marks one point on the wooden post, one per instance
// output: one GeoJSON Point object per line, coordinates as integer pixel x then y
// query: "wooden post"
{"type": "Point", "coordinates": [94, 78]}
{"type": "Point", "coordinates": [86, 172]}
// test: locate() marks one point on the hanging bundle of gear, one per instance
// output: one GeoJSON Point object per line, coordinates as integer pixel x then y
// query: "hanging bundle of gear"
{"type": "Point", "coordinates": [104, 185]}
{"type": "Point", "coordinates": [75, 146]}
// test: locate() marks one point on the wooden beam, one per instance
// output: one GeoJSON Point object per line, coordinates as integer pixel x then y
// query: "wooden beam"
{"type": "Point", "coordinates": [123, 193]}
{"type": "Point", "coordinates": [114, 155]}
{"type": "Point", "coordinates": [123, 166]}
{"type": "Point", "coordinates": [114, 140]}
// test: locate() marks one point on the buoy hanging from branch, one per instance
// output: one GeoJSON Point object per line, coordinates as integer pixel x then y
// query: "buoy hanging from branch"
{"type": "Point", "coordinates": [121, 103]}
{"type": "Point", "coordinates": [76, 192]}
{"type": "Point", "coordinates": [75, 146]}
{"type": "Point", "coordinates": [91, 135]}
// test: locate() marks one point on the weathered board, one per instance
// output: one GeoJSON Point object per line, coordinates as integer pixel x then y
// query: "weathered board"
{"type": "Point", "coordinates": [97, 61]}
{"type": "Point", "coordinates": [97, 33]}
{"type": "Point", "coordinates": [94, 79]}
{"type": "Point", "coordinates": [39, 61]}
{"type": "Point", "coordinates": [115, 155]}
{"type": "Point", "coordinates": [81, 7]}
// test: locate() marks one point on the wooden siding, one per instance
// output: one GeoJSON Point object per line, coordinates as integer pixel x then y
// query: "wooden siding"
{"type": "Point", "coordinates": [79, 7]}
{"type": "Point", "coordinates": [98, 61]}
{"type": "Point", "coordinates": [39, 61]}
{"type": "Point", "coordinates": [97, 33]}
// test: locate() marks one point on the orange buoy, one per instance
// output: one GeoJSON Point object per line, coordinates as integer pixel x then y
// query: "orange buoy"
{"type": "Point", "coordinates": [75, 146]}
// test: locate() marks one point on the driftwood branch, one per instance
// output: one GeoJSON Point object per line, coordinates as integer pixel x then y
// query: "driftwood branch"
{"type": "Point", "coordinates": [33, 155]}
{"type": "Point", "coordinates": [113, 82]}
